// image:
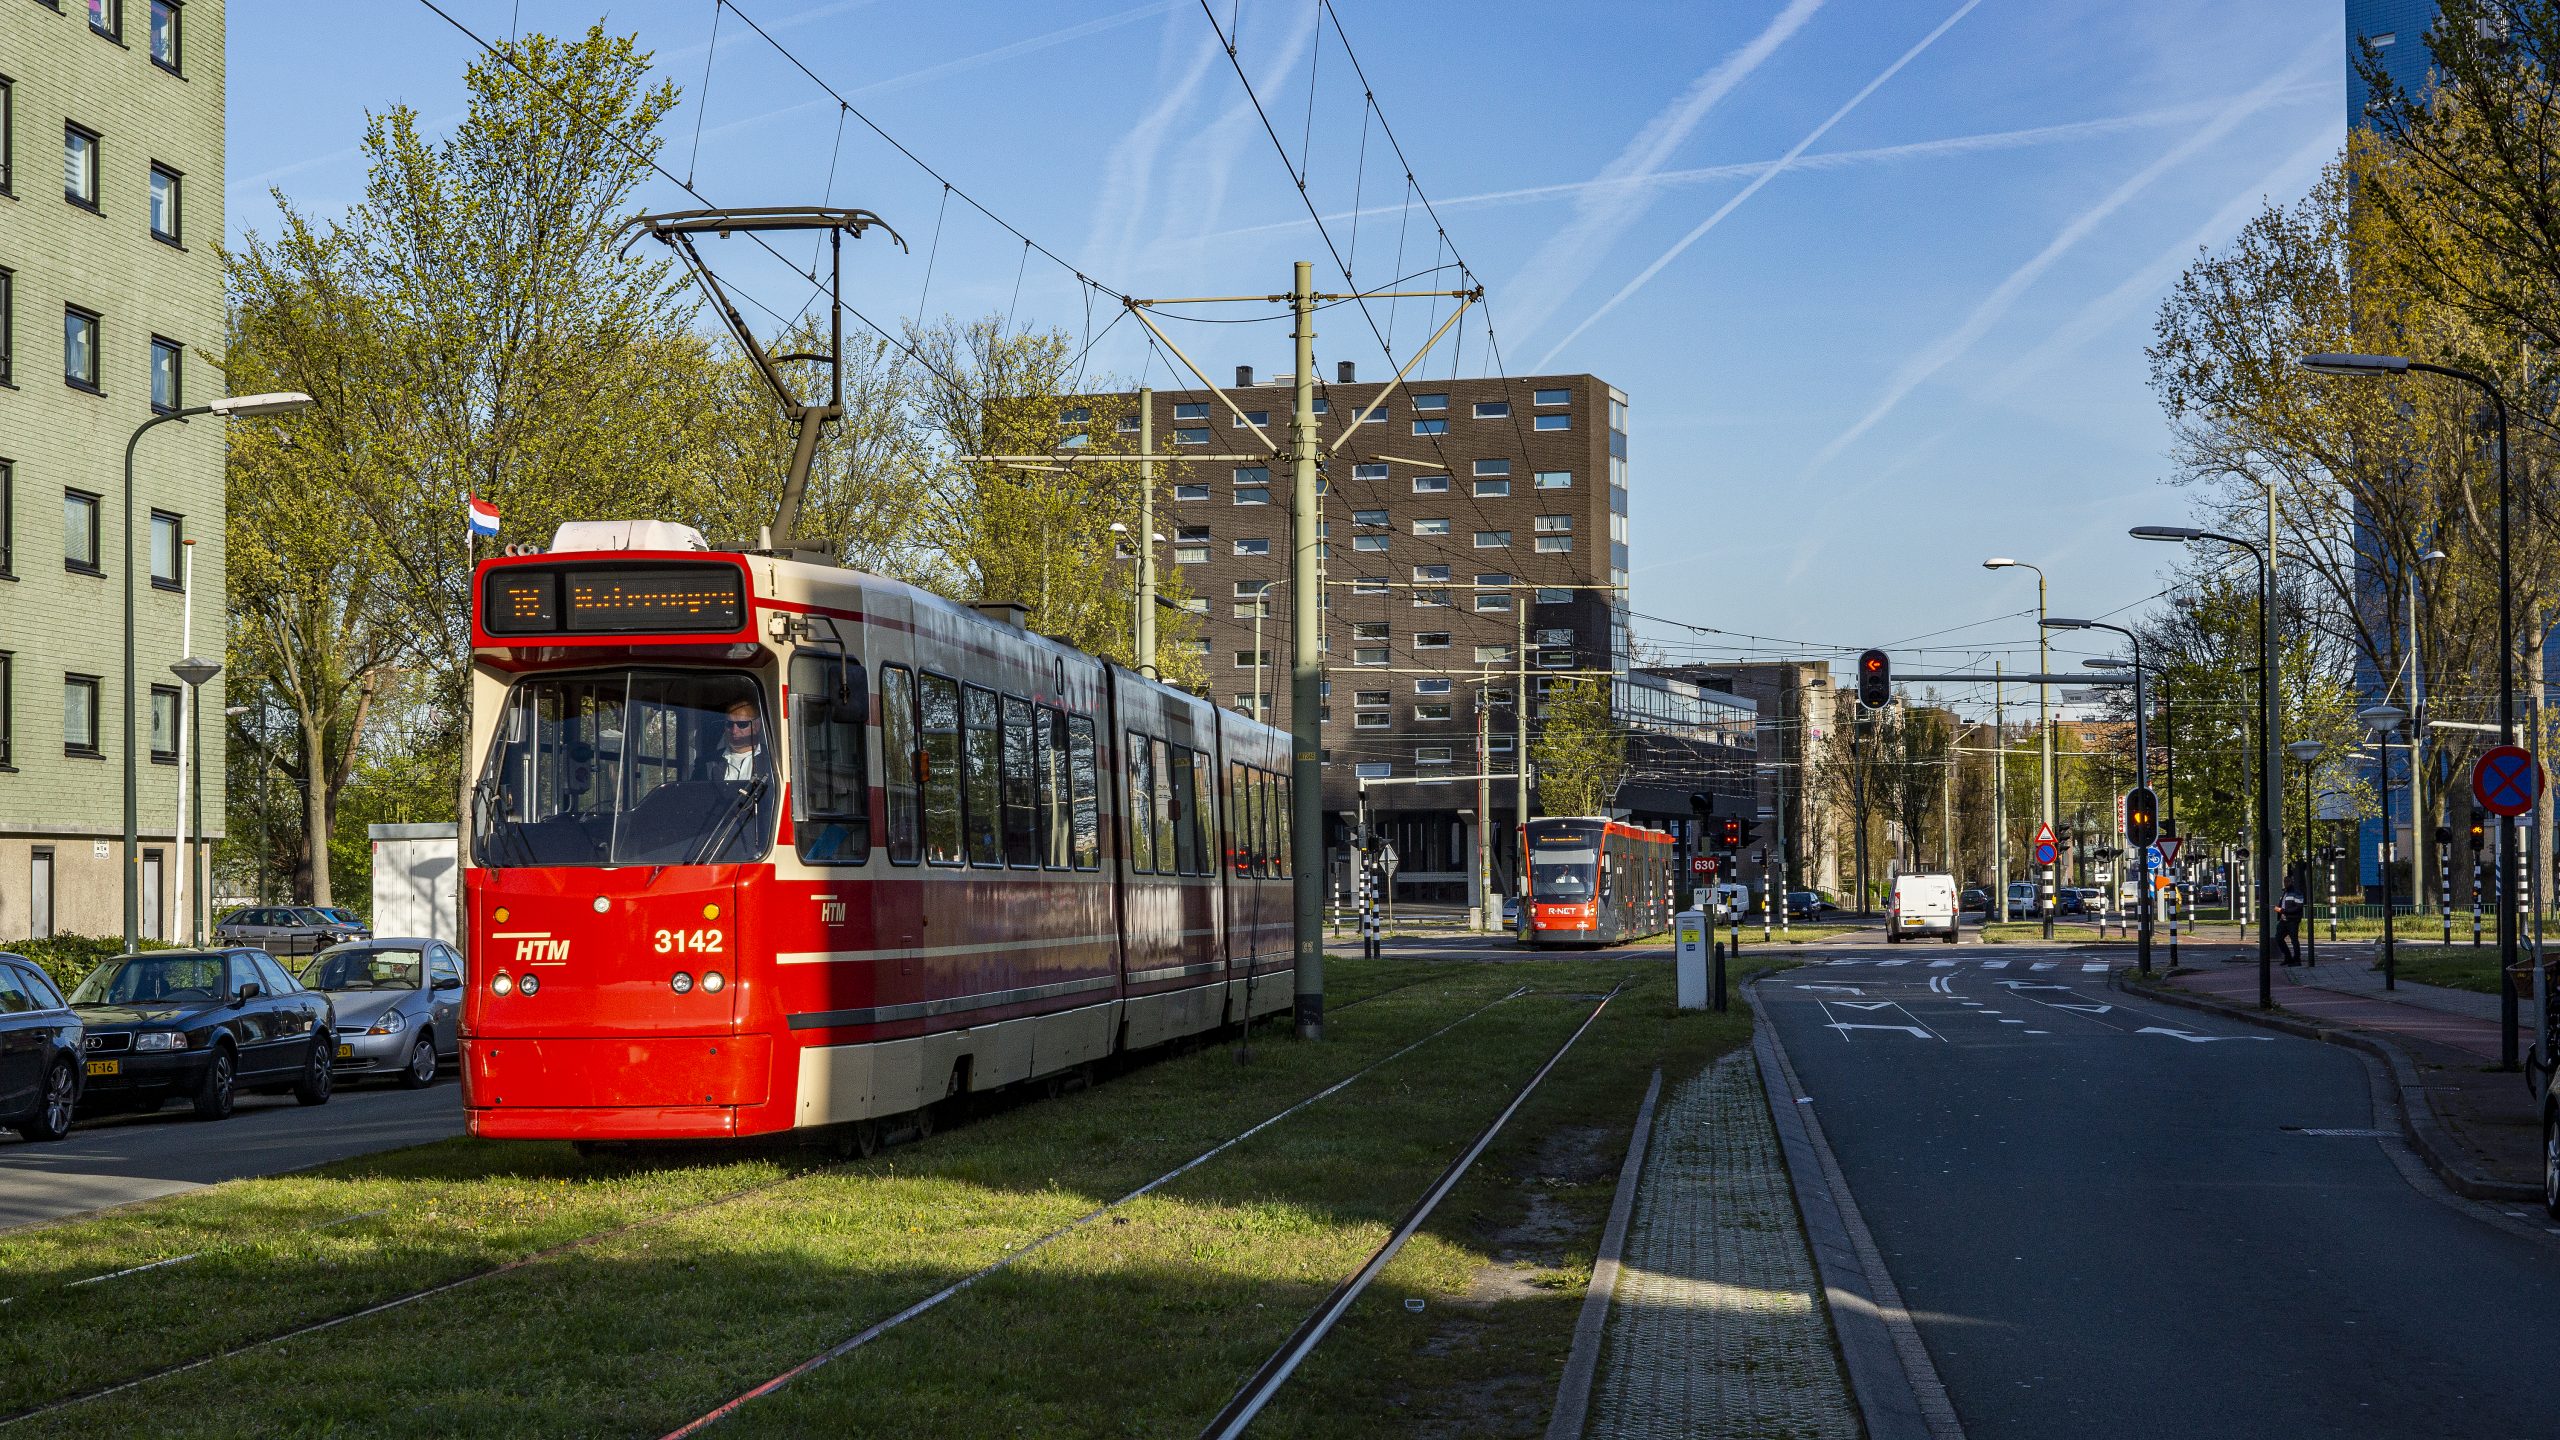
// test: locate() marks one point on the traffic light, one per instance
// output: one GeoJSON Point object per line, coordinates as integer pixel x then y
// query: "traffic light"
{"type": "Point", "coordinates": [1728, 832]}
{"type": "Point", "coordinates": [1702, 803]}
{"type": "Point", "coordinates": [2479, 832]}
{"type": "Point", "coordinates": [2141, 816]}
{"type": "Point", "coordinates": [2444, 834]}
{"type": "Point", "coordinates": [1875, 680]}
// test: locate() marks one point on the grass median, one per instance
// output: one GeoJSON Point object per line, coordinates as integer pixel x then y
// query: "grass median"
{"type": "Point", "coordinates": [1149, 1320]}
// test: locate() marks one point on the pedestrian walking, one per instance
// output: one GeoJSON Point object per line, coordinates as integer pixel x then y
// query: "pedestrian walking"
{"type": "Point", "coordinates": [2289, 920]}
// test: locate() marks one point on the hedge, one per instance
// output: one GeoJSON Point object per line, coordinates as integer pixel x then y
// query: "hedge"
{"type": "Point", "coordinates": [70, 958]}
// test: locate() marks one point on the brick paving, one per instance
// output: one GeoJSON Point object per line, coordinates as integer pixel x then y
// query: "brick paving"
{"type": "Point", "coordinates": [2238, 983]}
{"type": "Point", "coordinates": [2357, 976]}
{"type": "Point", "coordinates": [1717, 1326]}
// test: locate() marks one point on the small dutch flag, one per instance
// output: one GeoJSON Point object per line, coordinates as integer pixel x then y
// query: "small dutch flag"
{"type": "Point", "coordinates": [484, 516]}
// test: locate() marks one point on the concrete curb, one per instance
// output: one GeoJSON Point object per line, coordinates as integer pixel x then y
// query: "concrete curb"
{"type": "Point", "coordinates": [2418, 1123]}
{"type": "Point", "coordinates": [1582, 1366]}
{"type": "Point", "coordinates": [1891, 1377]}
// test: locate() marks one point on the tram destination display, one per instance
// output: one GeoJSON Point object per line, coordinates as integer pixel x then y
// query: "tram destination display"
{"type": "Point", "coordinates": [613, 600]}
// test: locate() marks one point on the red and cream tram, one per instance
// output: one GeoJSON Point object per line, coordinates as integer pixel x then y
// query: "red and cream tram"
{"type": "Point", "coordinates": [1595, 881]}
{"type": "Point", "coordinates": [756, 844]}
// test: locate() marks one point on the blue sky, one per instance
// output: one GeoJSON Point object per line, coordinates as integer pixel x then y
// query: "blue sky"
{"type": "Point", "coordinates": [1916, 344]}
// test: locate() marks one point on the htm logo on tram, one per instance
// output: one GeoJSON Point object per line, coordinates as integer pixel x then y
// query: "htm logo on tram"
{"type": "Point", "coordinates": [532, 951]}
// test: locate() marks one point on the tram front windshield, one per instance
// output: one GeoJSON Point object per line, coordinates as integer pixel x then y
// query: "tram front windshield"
{"type": "Point", "coordinates": [1561, 876]}
{"type": "Point", "coordinates": [628, 768]}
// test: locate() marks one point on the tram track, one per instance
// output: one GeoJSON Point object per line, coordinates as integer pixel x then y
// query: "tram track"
{"type": "Point", "coordinates": [741, 1194]}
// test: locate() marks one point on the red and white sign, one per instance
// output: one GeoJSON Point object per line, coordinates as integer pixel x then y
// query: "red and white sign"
{"type": "Point", "coordinates": [2506, 780]}
{"type": "Point", "coordinates": [2044, 835]}
{"type": "Point", "coordinates": [2170, 845]}
{"type": "Point", "coordinates": [1704, 864]}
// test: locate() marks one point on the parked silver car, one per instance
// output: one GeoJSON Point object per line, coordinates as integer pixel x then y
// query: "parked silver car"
{"type": "Point", "coordinates": [287, 929]}
{"type": "Point", "coordinates": [399, 1004]}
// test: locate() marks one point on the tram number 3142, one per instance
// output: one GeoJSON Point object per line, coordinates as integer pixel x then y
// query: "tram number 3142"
{"type": "Point", "coordinates": [688, 942]}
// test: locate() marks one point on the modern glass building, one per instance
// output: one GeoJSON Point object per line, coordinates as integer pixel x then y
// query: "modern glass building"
{"type": "Point", "coordinates": [2396, 28]}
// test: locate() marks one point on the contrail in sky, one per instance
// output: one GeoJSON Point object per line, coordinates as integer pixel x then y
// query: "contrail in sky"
{"type": "Point", "coordinates": [1763, 178]}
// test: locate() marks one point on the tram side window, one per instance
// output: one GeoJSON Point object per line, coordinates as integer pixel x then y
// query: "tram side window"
{"type": "Point", "coordinates": [1021, 788]}
{"type": "Point", "coordinates": [1142, 835]}
{"type": "Point", "coordinates": [1239, 849]}
{"type": "Point", "coordinates": [982, 792]}
{"type": "Point", "coordinates": [1261, 822]}
{"type": "Point", "coordinates": [1084, 772]}
{"type": "Point", "coordinates": [1186, 812]}
{"type": "Point", "coordinates": [1049, 737]}
{"type": "Point", "coordinates": [830, 703]}
{"type": "Point", "coordinates": [1282, 787]}
{"type": "Point", "coordinates": [940, 715]}
{"type": "Point", "coordinates": [1204, 823]}
{"type": "Point", "coordinates": [898, 764]}
{"type": "Point", "coordinates": [1165, 854]}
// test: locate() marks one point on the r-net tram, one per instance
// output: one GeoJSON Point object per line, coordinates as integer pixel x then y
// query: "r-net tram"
{"type": "Point", "coordinates": [1595, 881]}
{"type": "Point", "coordinates": [756, 844]}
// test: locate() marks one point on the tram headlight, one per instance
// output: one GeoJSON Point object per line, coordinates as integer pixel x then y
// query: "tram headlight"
{"type": "Point", "coordinates": [502, 985]}
{"type": "Point", "coordinates": [713, 982]}
{"type": "Point", "coordinates": [682, 984]}
{"type": "Point", "coordinates": [530, 984]}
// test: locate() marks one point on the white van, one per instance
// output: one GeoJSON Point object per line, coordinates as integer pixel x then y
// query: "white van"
{"type": "Point", "coordinates": [1724, 901]}
{"type": "Point", "coordinates": [1921, 905]}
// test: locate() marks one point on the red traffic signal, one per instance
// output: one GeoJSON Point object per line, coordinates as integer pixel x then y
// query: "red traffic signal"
{"type": "Point", "coordinates": [1875, 680]}
{"type": "Point", "coordinates": [1729, 832]}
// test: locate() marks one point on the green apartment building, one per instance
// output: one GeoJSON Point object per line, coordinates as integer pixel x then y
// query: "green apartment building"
{"type": "Point", "coordinates": [111, 310]}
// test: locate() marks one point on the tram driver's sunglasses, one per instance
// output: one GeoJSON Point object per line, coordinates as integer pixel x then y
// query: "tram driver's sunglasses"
{"type": "Point", "coordinates": [743, 724]}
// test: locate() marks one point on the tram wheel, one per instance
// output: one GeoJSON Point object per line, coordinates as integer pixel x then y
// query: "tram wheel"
{"type": "Point", "coordinates": [859, 1140]}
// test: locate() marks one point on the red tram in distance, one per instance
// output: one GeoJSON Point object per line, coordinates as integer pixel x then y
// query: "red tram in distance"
{"type": "Point", "coordinates": [756, 844]}
{"type": "Point", "coordinates": [1595, 881]}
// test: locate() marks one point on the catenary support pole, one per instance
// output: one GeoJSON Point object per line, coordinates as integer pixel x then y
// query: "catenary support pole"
{"type": "Point", "coordinates": [1306, 670]}
{"type": "Point", "coordinates": [1145, 639]}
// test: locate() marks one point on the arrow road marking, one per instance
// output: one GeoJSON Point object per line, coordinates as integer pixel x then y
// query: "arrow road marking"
{"type": "Point", "coordinates": [2094, 967]}
{"type": "Point", "coordinates": [1995, 964]}
{"type": "Point", "coordinates": [1939, 984]}
{"type": "Point", "coordinates": [1940, 964]}
{"type": "Point", "coordinates": [1882, 963]}
{"type": "Point", "coordinates": [1913, 1031]}
{"type": "Point", "coordinates": [2031, 985]}
{"type": "Point", "coordinates": [2085, 1009]}
{"type": "Point", "coordinates": [2041, 965]}
{"type": "Point", "coordinates": [2198, 1039]}
{"type": "Point", "coordinates": [1835, 989]}
{"type": "Point", "coordinates": [1865, 1004]}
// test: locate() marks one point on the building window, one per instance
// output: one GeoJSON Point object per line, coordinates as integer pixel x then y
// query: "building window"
{"type": "Point", "coordinates": [1430, 599]}
{"type": "Point", "coordinates": [164, 34]}
{"type": "Point", "coordinates": [1190, 492]}
{"type": "Point", "coordinates": [1430, 402]}
{"type": "Point", "coordinates": [1372, 543]}
{"type": "Point", "coordinates": [1493, 409]}
{"type": "Point", "coordinates": [1431, 640]}
{"type": "Point", "coordinates": [1128, 425]}
{"type": "Point", "coordinates": [1555, 545]}
{"type": "Point", "coordinates": [1191, 437]}
{"type": "Point", "coordinates": [1430, 527]}
{"type": "Point", "coordinates": [1253, 475]}
{"type": "Point", "coordinates": [1369, 585]}
{"type": "Point", "coordinates": [1431, 574]}
{"type": "Point", "coordinates": [1374, 519]}
{"type": "Point", "coordinates": [1555, 479]}
{"type": "Point", "coordinates": [1376, 417]}
{"type": "Point", "coordinates": [166, 362]}
{"type": "Point", "coordinates": [1435, 685]}
{"type": "Point", "coordinates": [1437, 711]}
{"type": "Point", "coordinates": [1076, 415]}
{"type": "Point", "coordinates": [1439, 427]}
{"type": "Point", "coordinates": [1248, 659]}
{"type": "Point", "coordinates": [1554, 597]}
{"type": "Point", "coordinates": [1617, 414]}
{"type": "Point", "coordinates": [1368, 472]}
{"type": "Point", "coordinates": [1190, 554]}
{"type": "Point", "coordinates": [80, 532]}
{"type": "Point", "coordinates": [1493, 467]}
{"type": "Point", "coordinates": [1492, 489]}
{"type": "Point", "coordinates": [1253, 547]}
{"type": "Point", "coordinates": [79, 348]}
{"type": "Point", "coordinates": [164, 204]}
{"type": "Point", "coordinates": [8, 136]}
{"type": "Point", "coordinates": [1431, 755]}
{"type": "Point", "coordinates": [1191, 410]}
{"type": "Point", "coordinates": [1367, 698]}
{"type": "Point", "coordinates": [1369, 630]}
{"type": "Point", "coordinates": [8, 520]}
{"type": "Point", "coordinates": [1371, 719]}
{"type": "Point", "coordinates": [1497, 744]}
{"type": "Point", "coordinates": [1197, 605]}
{"type": "Point", "coordinates": [1253, 495]}
{"type": "Point", "coordinates": [1192, 534]}
{"type": "Point", "coordinates": [1430, 484]}
{"type": "Point", "coordinates": [79, 166]}
{"type": "Point", "coordinates": [8, 327]}
{"type": "Point", "coordinates": [1252, 417]}
{"type": "Point", "coordinates": [1368, 654]}
{"type": "Point", "coordinates": [80, 716]}
{"type": "Point", "coordinates": [168, 534]}
{"type": "Point", "coordinates": [1553, 397]}
{"type": "Point", "coordinates": [1493, 604]}
{"type": "Point", "coordinates": [1493, 539]}
{"type": "Point", "coordinates": [107, 18]}
{"type": "Point", "coordinates": [8, 714]}
{"type": "Point", "coordinates": [1493, 654]}
{"type": "Point", "coordinates": [164, 724]}
{"type": "Point", "coordinates": [1373, 770]}
{"type": "Point", "coordinates": [1555, 524]}
{"type": "Point", "coordinates": [1552, 422]}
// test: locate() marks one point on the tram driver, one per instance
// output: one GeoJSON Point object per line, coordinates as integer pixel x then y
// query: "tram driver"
{"type": "Point", "coordinates": [743, 755]}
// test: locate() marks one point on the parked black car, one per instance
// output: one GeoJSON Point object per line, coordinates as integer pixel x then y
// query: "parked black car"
{"type": "Point", "coordinates": [1974, 898]}
{"type": "Point", "coordinates": [202, 1024]}
{"type": "Point", "coordinates": [1808, 904]}
{"type": "Point", "coordinates": [39, 1052]}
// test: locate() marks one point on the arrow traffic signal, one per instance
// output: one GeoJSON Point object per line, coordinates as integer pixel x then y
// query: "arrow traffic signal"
{"type": "Point", "coordinates": [2141, 816]}
{"type": "Point", "coordinates": [1875, 680]}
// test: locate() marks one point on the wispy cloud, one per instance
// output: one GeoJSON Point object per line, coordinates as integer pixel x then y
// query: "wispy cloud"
{"type": "Point", "coordinates": [1125, 199]}
{"type": "Point", "coordinates": [1604, 213]}
{"type": "Point", "coordinates": [1943, 352]}
{"type": "Point", "coordinates": [1698, 231]}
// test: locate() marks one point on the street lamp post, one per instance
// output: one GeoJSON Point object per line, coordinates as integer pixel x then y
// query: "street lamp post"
{"type": "Point", "coordinates": [2271, 770]}
{"type": "Point", "coordinates": [2044, 721]}
{"type": "Point", "coordinates": [2383, 720]}
{"type": "Point", "coordinates": [273, 404]}
{"type": "Point", "coordinates": [2306, 754]}
{"type": "Point", "coordinates": [2141, 761]}
{"type": "Point", "coordinates": [2372, 365]}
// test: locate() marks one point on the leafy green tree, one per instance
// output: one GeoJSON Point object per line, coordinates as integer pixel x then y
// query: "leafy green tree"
{"type": "Point", "coordinates": [1580, 752]}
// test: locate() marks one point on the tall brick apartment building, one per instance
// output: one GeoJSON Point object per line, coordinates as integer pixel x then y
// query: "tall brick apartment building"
{"type": "Point", "coordinates": [111, 227]}
{"type": "Point", "coordinates": [1465, 514]}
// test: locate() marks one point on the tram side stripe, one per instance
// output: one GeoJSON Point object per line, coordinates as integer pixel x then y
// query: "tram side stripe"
{"type": "Point", "coordinates": [873, 1332]}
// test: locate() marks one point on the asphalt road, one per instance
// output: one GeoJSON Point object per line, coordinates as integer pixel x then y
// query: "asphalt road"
{"type": "Point", "coordinates": [120, 1159]}
{"type": "Point", "coordinates": [2109, 1218]}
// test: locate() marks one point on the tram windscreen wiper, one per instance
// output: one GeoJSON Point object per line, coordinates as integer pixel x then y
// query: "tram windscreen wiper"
{"type": "Point", "coordinates": [489, 824]}
{"type": "Point", "coordinates": [750, 795]}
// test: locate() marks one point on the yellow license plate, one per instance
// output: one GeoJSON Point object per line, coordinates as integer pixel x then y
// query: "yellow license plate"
{"type": "Point", "coordinates": [346, 1052]}
{"type": "Point", "coordinates": [104, 1067]}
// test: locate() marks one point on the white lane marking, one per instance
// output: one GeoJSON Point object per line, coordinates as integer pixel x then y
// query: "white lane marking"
{"type": "Point", "coordinates": [2021, 1022]}
{"type": "Point", "coordinates": [2039, 1032]}
{"type": "Point", "coordinates": [2014, 986]}
{"type": "Point", "coordinates": [1864, 1004]}
{"type": "Point", "coordinates": [1938, 985]}
{"type": "Point", "coordinates": [1844, 962]}
{"type": "Point", "coordinates": [1987, 1012]}
{"type": "Point", "coordinates": [2098, 1009]}
{"type": "Point", "coordinates": [1835, 989]}
{"type": "Point", "coordinates": [1882, 963]}
{"type": "Point", "coordinates": [1912, 1030]}
{"type": "Point", "coordinates": [1995, 964]}
{"type": "Point", "coordinates": [2094, 967]}
{"type": "Point", "coordinates": [2198, 1039]}
{"type": "Point", "coordinates": [2041, 965]}
{"type": "Point", "coordinates": [1940, 964]}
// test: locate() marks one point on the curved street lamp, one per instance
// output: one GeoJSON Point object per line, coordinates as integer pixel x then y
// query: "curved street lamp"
{"type": "Point", "coordinates": [2384, 722]}
{"type": "Point", "coordinates": [2044, 730]}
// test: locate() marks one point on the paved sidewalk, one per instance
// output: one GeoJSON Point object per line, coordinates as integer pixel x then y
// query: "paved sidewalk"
{"type": "Point", "coordinates": [1717, 1326]}
{"type": "Point", "coordinates": [2484, 1122]}
{"type": "Point", "coordinates": [2355, 974]}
